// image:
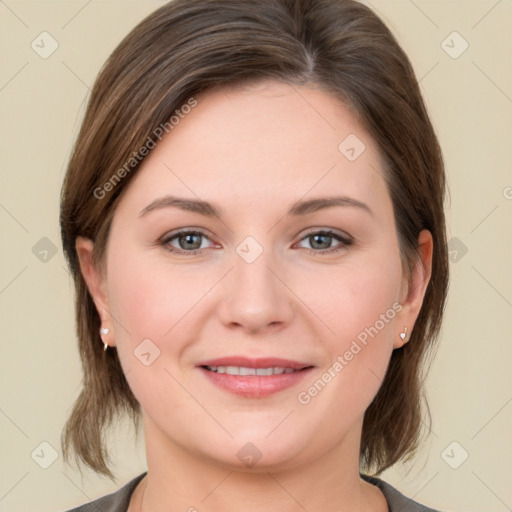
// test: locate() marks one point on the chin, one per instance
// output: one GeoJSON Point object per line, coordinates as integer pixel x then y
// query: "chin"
{"type": "Point", "coordinates": [257, 453]}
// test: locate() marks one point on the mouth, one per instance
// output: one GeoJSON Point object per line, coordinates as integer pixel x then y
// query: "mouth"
{"type": "Point", "coordinates": [254, 378]}
{"type": "Point", "coordinates": [244, 370]}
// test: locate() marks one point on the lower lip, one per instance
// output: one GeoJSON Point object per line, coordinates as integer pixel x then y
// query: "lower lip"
{"type": "Point", "coordinates": [255, 386]}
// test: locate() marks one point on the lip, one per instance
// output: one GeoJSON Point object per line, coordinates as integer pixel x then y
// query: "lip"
{"type": "Point", "coordinates": [255, 386]}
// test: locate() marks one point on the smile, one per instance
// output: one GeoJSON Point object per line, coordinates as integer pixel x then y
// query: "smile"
{"type": "Point", "coordinates": [243, 370]}
{"type": "Point", "coordinates": [253, 378]}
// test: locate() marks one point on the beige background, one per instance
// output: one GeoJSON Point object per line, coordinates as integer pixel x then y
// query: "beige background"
{"type": "Point", "coordinates": [470, 384]}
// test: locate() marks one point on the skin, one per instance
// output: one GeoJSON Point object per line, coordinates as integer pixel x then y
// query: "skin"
{"type": "Point", "coordinates": [254, 151]}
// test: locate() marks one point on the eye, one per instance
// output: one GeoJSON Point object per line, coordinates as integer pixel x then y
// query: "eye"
{"type": "Point", "coordinates": [189, 242]}
{"type": "Point", "coordinates": [185, 242]}
{"type": "Point", "coordinates": [321, 241]}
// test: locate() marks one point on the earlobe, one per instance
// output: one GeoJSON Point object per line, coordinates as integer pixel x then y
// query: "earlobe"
{"type": "Point", "coordinates": [94, 279]}
{"type": "Point", "coordinates": [415, 292]}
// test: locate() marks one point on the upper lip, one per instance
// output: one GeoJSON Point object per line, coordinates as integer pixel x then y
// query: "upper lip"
{"type": "Point", "coordinates": [260, 362]}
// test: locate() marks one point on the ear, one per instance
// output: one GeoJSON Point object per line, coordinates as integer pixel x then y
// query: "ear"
{"type": "Point", "coordinates": [413, 292]}
{"type": "Point", "coordinates": [96, 283]}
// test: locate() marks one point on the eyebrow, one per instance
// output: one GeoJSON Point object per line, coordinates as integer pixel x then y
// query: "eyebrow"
{"type": "Point", "coordinates": [207, 209]}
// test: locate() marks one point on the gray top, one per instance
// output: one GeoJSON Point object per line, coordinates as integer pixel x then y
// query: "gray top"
{"type": "Point", "coordinates": [119, 500]}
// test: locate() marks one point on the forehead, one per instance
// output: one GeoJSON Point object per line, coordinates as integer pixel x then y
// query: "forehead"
{"type": "Point", "coordinates": [263, 143]}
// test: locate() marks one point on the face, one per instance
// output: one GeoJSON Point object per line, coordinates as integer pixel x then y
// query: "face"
{"type": "Point", "coordinates": [257, 327]}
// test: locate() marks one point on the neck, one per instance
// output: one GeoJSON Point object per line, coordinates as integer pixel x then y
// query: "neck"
{"type": "Point", "coordinates": [179, 480]}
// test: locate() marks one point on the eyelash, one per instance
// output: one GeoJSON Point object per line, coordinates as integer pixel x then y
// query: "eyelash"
{"type": "Point", "coordinates": [344, 242]}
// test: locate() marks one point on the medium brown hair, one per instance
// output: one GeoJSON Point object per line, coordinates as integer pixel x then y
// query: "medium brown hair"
{"type": "Point", "coordinates": [187, 47]}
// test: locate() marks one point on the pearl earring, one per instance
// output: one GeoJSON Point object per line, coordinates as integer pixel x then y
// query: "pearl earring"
{"type": "Point", "coordinates": [105, 331]}
{"type": "Point", "coordinates": [403, 334]}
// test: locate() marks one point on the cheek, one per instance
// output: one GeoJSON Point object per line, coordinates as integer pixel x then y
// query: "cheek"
{"type": "Point", "coordinates": [149, 300]}
{"type": "Point", "coordinates": [350, 299]}
{"type": "Point", "coordinates": [152, 300]}
{"type": "Point", "coordinates": [360, 305]}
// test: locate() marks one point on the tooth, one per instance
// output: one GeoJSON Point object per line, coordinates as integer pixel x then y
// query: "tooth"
{"type": "Point", "coordinates": [245, 371]}
{"type": "Point", "coordinates": [264, 371]}
{"type": "Point", "coordinates": [232, 370]}
{"type": "Point", "coordinates": [248, 371]}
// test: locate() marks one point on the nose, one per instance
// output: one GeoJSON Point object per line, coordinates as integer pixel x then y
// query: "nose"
{"type": "Point", "coordinates": [256, 296]}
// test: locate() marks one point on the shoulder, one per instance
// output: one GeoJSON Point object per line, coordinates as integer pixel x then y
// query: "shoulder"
{"type": "Point", "coordinates": [117, 501]}
{"type": "Point", "coordinates": [397, 502]}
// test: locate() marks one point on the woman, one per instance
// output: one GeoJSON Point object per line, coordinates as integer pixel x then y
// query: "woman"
{"type": "Point", "coordinates": [253, 216]}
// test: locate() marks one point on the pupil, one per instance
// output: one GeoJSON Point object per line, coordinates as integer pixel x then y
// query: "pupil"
{"type": "Point", "coordinates": [189, 240]}
{"type": "Point", "coordinates": [326, 244]}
